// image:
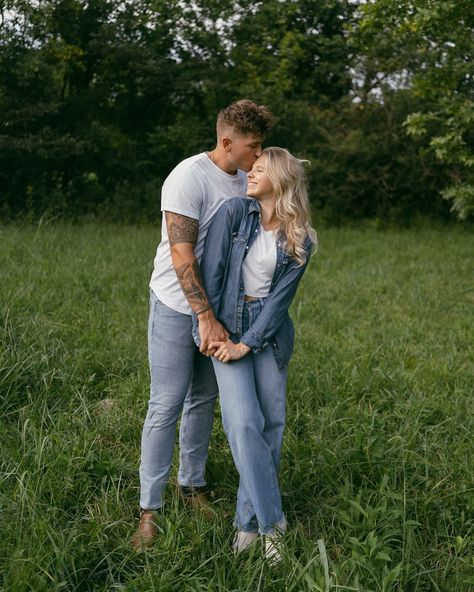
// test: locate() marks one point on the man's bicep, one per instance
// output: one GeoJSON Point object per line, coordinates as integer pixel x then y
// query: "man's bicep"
{"type": "Point", "coordinates": [181, 229]}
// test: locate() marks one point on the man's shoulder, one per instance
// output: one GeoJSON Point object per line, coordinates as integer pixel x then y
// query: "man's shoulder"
{"type": "Point", "coordinates": [187, 168]}
{"type": "Point", "coordinates": [184, 190]}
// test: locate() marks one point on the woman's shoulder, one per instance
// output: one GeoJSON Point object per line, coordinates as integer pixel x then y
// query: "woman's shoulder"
{"type": "Point", "coordinates": [240, 204]}
{"type": "Point", "coordinates": [308, 246]}
{"type": "Point", "coordinates": [237, 208]}
{"type": "Point", "coordinates": [309, 243]}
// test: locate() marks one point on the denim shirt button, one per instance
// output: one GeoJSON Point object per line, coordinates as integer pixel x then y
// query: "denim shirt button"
{"type": "Point", "coordinates": [247, 248]}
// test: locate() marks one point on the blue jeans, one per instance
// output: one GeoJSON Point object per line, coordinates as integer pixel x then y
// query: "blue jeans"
{"type": "Point", "coordinates": [182, 379]}
{"type": "Point", "coordinates": [252, 395]}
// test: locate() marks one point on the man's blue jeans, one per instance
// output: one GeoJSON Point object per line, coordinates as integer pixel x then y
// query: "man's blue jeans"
{"type": "Point", "coordinates": [252, 394]}
{"type": "Point", "coordinates": [181, 379]}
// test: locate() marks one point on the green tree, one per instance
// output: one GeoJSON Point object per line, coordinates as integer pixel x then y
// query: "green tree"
{"type": "Point", "coordinates": [83, 88]}
{"type": "Point", "coordinates": [430, 45]}
{"type": "Point", "coordinates": [99, 99]}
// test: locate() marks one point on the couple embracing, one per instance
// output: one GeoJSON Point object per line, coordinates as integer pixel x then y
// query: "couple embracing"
{"type": "Point", "coordinates": [236, 240]}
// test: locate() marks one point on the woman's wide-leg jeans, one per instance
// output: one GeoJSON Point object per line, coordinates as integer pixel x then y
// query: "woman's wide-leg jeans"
{"type": "Point", "coordinates": [252, 394]}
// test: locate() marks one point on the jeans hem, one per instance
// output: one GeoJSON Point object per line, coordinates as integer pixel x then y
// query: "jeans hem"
{"type": "Point", "coordinates": [192, 484]}
{"type": "Point", "coordinates": [277, 528]}
{"type": "Point", "coordinates": [154, 509]}
{"type": "Point", "coordinates": [245, 527]}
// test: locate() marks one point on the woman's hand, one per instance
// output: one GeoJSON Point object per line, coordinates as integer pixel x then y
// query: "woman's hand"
{"type": "Point", "coordinates": [228, 350]}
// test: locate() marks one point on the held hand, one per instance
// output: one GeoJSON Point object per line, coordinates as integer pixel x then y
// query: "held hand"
{"type": "Point", "coordinates": [210, 330]}
{"type": "Point", "coordinates": [227, 351]}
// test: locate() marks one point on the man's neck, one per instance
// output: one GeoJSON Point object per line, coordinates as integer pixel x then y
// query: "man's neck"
{"type": "Point", "coordinates": [219, 158]}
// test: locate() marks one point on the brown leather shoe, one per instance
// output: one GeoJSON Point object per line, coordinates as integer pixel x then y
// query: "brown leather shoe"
{"type": "Point", "coordinates": [145, 534]}
{"type": "Point", "coordinates": [196, 498]}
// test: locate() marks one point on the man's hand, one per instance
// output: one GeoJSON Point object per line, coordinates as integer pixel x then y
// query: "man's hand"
{"type": "Point", "coordinates": [227, 351]}
{"type": "Point", "coordinates": [210, 330]}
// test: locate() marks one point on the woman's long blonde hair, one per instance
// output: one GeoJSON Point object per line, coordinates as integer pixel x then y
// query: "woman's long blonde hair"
{"type": "Point", "coordinates": [288, 177]}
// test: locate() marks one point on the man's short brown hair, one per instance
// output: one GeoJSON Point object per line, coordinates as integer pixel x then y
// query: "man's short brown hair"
{"type": "Point", "coordinates": [246, 117]}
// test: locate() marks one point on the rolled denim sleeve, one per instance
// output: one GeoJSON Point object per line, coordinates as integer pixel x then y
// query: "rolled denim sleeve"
{"type": "Point", "coordinates": [275, 308]}
{"type": "Point", "coordinates": [216, 252]}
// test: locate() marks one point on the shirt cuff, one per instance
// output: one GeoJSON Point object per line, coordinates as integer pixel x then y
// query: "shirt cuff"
{"type": "Point", "coordinates": [180, 211]}
{"type": "Point", "coordinates": [253, 341]}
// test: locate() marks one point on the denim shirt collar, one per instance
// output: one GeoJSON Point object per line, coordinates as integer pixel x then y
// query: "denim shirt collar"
{"type": "Point", "coordinates": [254, 205]}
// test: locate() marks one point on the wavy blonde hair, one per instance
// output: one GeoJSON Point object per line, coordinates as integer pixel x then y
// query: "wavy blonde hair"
{"type": "Point", "coordinates": [288, 177]}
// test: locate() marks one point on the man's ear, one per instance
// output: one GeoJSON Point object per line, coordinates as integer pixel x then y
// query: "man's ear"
{"type": "Point", "coordinates": [227, 143]}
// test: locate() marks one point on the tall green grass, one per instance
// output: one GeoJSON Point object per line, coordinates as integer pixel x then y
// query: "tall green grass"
{"type": "Point", "coordinates": [377, 470]}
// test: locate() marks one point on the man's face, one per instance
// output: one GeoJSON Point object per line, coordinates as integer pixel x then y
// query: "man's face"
{"type": "Point", "coordinates": [244, 150]}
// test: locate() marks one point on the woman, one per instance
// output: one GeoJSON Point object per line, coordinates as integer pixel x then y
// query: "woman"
{"type": "Point", "coordinates": [255, 255]}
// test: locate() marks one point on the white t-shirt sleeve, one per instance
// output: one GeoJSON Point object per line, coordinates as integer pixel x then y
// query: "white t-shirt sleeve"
{"type": "Point", "coordinates": [183, 193]}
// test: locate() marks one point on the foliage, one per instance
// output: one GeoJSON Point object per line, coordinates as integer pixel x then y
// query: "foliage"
{"type": "Point", "coordinates": [432, 44]}
{"type": "Point", "coordinates": [100, 99]}
{"type": "Point", "coordinates": [87, 80]}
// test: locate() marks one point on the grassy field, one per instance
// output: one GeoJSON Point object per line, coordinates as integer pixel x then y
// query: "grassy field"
{"type": "Point", "coordinates": [377, 472]}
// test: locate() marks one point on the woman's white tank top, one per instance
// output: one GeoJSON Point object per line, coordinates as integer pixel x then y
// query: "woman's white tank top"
{"type": "Point", "coordinates": [259, 264]}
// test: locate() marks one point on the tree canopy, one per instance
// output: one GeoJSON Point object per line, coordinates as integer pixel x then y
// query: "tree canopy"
{"type": "Point", "coordinates": [100, 99]}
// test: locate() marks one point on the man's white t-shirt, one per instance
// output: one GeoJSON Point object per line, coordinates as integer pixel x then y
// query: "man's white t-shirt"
{"type": "Point", "coordinates": [195, 188]}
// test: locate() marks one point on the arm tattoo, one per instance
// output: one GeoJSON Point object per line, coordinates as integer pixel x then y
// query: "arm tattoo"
{"type": "Point", "coordinates": [181, 229]}
{"type": "Point", "coordinates": [189, 276]}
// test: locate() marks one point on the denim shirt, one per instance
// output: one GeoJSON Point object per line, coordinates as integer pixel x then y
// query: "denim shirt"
{"type": "Point", "coordinates": [232, 232]}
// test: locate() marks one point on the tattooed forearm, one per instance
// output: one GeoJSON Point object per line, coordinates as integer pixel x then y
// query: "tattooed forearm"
{"type": "Point", "coordinates": [189, 276]}
{"type": "Point", "coordinates": [181, 229]}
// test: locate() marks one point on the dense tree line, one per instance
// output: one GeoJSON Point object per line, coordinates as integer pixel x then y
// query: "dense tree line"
{"type": "Point", "coordinates": [99, 99]}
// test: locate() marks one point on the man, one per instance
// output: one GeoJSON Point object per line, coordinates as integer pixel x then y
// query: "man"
{"type": "Point", "coordinates": [182, 377]}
